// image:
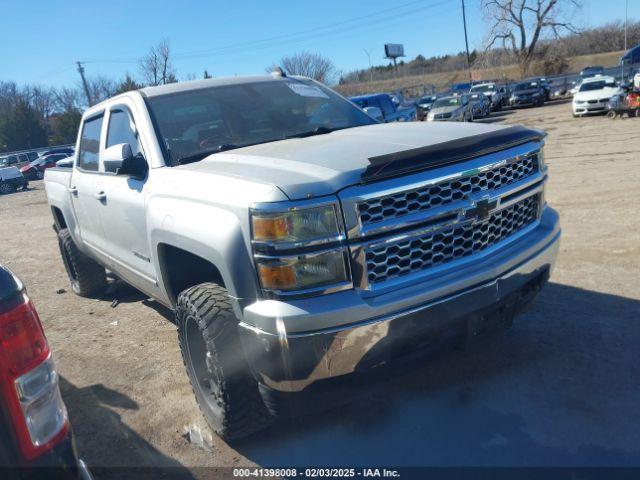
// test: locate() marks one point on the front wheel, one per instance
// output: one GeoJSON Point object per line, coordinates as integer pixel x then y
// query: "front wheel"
{"type": "Point", "coordinates": [39, 175]}
{"type": "Point", "coordinates": [226, 391]}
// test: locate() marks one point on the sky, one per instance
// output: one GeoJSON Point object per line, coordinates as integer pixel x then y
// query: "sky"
{"type": "Point", "coordinates": [40, 40]}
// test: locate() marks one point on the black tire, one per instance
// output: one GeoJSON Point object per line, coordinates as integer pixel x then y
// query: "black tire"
{"type": "Point", "coordinates": [39, 175]}
{"type": "Point", "coordinates": [87, 277]}
{"type": "Point", "coordinates": [6, 188]}
{"type": "Point", "coordinates": [226, 391]}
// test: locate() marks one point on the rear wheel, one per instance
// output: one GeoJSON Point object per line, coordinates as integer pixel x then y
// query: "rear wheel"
{"type": "Point", "coordinates": [87, 277]}
{"type": "Point", "coordinates": [226, 391]}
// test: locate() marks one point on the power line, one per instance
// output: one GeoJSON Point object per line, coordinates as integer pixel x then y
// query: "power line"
{"type": "Point", "coordinates": [329, 29]}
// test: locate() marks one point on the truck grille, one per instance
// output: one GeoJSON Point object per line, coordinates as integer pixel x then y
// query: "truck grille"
{"type": "Point", "coordinates": [423, 198]}
{"type": "Point", "coordinates": [410, 255]}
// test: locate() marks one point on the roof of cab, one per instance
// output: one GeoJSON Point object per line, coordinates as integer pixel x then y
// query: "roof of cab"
{"type": "Point", "coordinates": [210, 82]}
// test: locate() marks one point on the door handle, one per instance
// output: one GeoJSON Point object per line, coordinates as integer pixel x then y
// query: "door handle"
{"type": "Point", "coordinates": [72, 190]}
{"type": "Point", "coordinates": [101, 195]}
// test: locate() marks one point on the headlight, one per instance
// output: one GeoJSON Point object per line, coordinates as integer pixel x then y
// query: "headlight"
{"type": "Point", "coordinates": [303, 272]}
{"type": "Point", "coordinates": [295, 225]}
{"type": "Point", "coordinates": [298, 248]}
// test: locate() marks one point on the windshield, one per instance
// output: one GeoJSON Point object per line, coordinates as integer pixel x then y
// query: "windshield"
{"type": "Point", "coordinates": [589, 86]}
{"type": "Point", "coordinates": [447, 102]}
{"type": "Point", "coordinates": [427, 99]}
{"type": "Point", "coordinates": [483, 88]}
{"type": "Point", "coordinates": [591, 72]}
{"type": "Point", "coordinates": [526, 86]}
{"type": "Point", "coordinates": [197, 122]}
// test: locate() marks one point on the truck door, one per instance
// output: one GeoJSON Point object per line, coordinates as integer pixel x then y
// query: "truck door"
{"type": "Point", "coordinates": [123, 212]}
{"type": "Point", "coordinates": [84, 188]}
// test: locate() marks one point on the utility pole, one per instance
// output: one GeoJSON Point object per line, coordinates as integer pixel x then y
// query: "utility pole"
{"type": "Point", "coordinates": [466, 41]}
{"type": "Point", "coordinates": [84, 83]}
{"type": "Point", "coordinates": [368, 53]}
{"type": "Point", "coordinates": [626, 11]}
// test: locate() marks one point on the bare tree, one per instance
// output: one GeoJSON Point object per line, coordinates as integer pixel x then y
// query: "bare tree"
{"type": "Point", "coordinates": [101, 88]}
{"type": "Point", "coordinates": [68, 99]}
{"type": "Point", "coordinates": [308, 64]}
{"type": "Point", "coordinates": [520, 25]}
{"type": "Point", "coordinates": [156, 67]}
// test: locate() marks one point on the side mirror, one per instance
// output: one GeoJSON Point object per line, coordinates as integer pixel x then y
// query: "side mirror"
{"type": "Point", "coordinates": [115, 156]}
{"type": "Point", "coordinates": [374, 112]}
{"type": "Point", "coordinates": [119, 159]}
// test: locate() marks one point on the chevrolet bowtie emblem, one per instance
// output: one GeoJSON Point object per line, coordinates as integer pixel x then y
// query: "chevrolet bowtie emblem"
{"type": "Point", "coordinates": [482, 209]}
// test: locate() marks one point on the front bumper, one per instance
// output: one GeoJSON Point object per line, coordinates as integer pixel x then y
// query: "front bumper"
{"type": "Point", "coordinates": [286, 356]}
{"type": "Point", "coordinates": [583, 108]}
{"type": "Point", "coordinates": [523, 102]}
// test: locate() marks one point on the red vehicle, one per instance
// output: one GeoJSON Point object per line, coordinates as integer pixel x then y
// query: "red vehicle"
{"type": "Point", "coordinates": [34, 426]}
{"type": "Point", "coordinates": [35, 170]}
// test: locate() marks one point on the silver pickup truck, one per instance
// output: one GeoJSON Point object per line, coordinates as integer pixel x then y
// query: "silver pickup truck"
{"type": "Point", "coordinates": [299, 241]}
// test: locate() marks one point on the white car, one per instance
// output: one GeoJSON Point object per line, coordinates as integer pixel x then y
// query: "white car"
{"type": "Point", "coordinates": [593, 94]}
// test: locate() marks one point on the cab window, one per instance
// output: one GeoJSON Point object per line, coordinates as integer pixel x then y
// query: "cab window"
{"type": "Point", "coordinates": [90, 144]}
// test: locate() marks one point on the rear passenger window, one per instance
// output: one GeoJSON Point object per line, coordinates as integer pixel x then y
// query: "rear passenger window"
{"type": "Point", "coordinates": [90, 145]}
{"type": "Point", "coordinates": [121, 130]}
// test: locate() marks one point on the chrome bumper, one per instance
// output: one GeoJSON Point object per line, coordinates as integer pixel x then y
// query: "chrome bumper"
{"type": "Point", "coordinates": [287, 360]}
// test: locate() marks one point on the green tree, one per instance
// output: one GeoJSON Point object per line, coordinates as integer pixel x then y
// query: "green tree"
{"type": "Point", "coordinates": [65, 128]}
{"type": "Point", "coordinates": [21, 128]}
{"type": "Point", "coordinates": [127, 85]}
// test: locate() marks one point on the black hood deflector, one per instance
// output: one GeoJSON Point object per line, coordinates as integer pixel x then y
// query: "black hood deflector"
{"type": "Point", "coordinates": [447, 153]}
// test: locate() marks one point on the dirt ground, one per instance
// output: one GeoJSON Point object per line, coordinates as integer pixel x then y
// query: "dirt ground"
{"type": "Point", "coordinates": [562, 387]}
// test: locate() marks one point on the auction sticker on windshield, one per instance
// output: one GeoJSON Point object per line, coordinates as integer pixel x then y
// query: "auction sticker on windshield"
{"type": "Point", "coordinates": [307, 90]}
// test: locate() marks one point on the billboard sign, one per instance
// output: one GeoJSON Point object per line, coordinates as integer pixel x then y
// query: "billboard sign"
{"type": "Point", "coordinates": [393, 50]}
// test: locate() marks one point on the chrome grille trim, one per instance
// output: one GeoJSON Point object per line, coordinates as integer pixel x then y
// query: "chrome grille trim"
{"type": "Point", "coordinates": [363, 237]}
{"type": "Point", "coordinates": [447, 191]}
{"type": "Point", "coordinates": [391, 259]}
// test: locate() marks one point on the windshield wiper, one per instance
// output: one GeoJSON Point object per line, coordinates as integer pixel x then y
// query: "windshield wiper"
{"type": "Point", "coordinates": [194, 157]}
{"type": "Point", "coordinates": [315, 131]}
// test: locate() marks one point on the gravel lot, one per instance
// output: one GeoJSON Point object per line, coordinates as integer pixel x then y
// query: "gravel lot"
{"type": "Point", "coordinates": [562, 387]}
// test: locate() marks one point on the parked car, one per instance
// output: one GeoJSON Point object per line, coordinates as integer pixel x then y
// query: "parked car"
{"type": "Point", "coordinates": [35, 170]}
{"type": "Point", "coordinates": [594, 95]}
{"type": "Point", "coordinates": [589, 72]}
{"type": "Point", "coordinates": [66, 150]}
{"type": "Point", "coordinates": [451, 109]}
{"type": "Point", "coordinates": [11, 179]}
{"type": "Point", "coordinates": [493, 92]}
{"type": "Point", "coordinates": [527, 93]}
{"type": "Point", "coordinates": [423, 106]}
{"type": "Point", "coordinates": [297, 248]}
{"type": "Point", "coordinates": [17, 160]}
{"type": "Point", "coordinates": [390, 111]}
{"type": "Point", "coordinates": [33, 155]}
{"type": "Point", "coordinates": [66, 162]}
{"type": "Point", "coordinates": [480, 105]}
{"type": "Point", "coordinates": [544, 84]}
{"type": "Point", "coordinates": [34, 426]}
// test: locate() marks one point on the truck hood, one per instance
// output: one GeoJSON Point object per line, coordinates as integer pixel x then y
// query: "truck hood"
{"type": "Point", "coordinates": [324, 164]}
{"type": "Point", "coordinates": [438, 110]}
